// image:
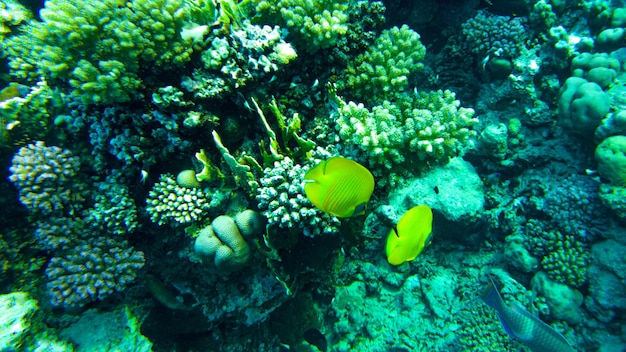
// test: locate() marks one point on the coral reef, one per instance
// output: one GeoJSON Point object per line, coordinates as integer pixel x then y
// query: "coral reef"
{"type": "Point", "coordinates": [284, 204]}
{"type": "Point", "coordinates": [97, 49]}
{"type": "Point", "coordinates": [223, 244]}
{"type": "Point", "coordinates": [316, 24]}
{"type": "Point", "coordinates": [488, 136]}
{"type": "Point", "coordinates": [416, 129]}
{"type": "Point", "coordinates": [383, 70]}
{"type": "Point", "coordinates": [92, 272]}
{"type": "Point", "coordinates": [114, 210]}
{"type": "Point", "coordinates": [46, 178]}
{"type": "Point", "coordinates": [489, 35]}
{"type": "Point", "coordinates": [16, 308]}
{"type": "Point", "coordinates": [231, 62]}
{"type": "Point", "coordinates": [170, 203]}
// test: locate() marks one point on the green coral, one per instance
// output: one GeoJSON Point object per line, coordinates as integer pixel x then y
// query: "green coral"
{"type": "Point", "coordinates": [417, 128]}
{"type": "Point", "coordinates": [97, 48]}
{"type": "Point", "coordinates": [29, 116]}
{"type": "Point", "coordinates": [384, 69]}
{"type": "Point", "coordinates": [315, 24]}
{"type": "Point", "coordinates": [12, 14]}
{"type": "Point", "coordinates": [614, 197]}
{"type": "Point", "coordinates": [564, 258]}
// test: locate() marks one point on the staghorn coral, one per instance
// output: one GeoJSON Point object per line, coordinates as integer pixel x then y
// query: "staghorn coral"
{"type": "Point", "coordinates": [46, 178]}
{"type": "Point", "coordinates": [93, 271]}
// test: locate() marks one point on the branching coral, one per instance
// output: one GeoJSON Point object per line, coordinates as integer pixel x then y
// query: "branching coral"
{"type": "Point", "coordinates": [384, 69]}
{"type": "Point", "coordinates": [316, 24]}
{"type": "Point", "coordinates": [563, 257]}
{"type": "Point", "coordinates": [417, 127]}
{"type": "Point", "coordinates": [232, 61]}
{"type": "Point", "coordinates": [97, 48]}
{"type": "Point", "coordinates": [171, 203]}
{"type": "Point", "coordinates": [282, 200]}
{"type": "Point", "coordinates": [92, 272]}
{"type": "Point", "coordinates": [492, 35]}
{"type": "Point", "coordinates": [46, 179]}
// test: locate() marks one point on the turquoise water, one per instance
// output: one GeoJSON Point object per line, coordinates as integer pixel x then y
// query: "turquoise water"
{"type": "Point", "coordinates": [178, 175]}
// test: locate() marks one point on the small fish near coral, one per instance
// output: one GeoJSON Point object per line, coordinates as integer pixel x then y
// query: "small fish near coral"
{"type": "Point", "coordinates": [525, 327]}
{"type": "Point", "coordinates": [339, 186]}
{"type": "Point", "coordinates": [409, 237]}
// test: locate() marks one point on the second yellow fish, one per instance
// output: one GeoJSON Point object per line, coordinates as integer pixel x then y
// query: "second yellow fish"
{"type": "Point", "coordinates": [339, 186]}
{"type": "Point", "coordinates": [407, 240]}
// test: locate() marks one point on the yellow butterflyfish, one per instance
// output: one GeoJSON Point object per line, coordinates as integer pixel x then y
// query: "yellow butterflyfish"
{"type": "Point", "coordinates": [412, 233]}
{"type": "Point", "coordinates": [339, 186]}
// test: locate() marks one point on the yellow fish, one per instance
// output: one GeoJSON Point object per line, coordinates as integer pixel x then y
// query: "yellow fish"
{"type": "Point", "coordinates": [407, 240]}
{"type": "Point", "coordinates": [339, 186]}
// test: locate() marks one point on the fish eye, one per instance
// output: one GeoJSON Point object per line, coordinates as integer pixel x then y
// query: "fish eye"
{"type": "Point", "coordinates": [360, 209]}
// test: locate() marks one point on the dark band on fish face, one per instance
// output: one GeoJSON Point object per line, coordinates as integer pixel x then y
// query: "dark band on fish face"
{"type": "Point", "coordinates": [360, 209]}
